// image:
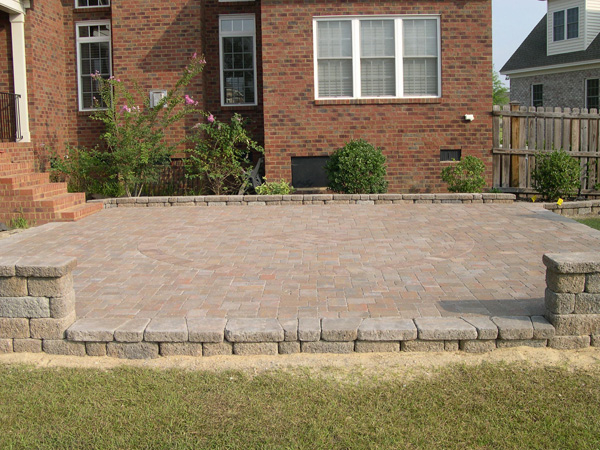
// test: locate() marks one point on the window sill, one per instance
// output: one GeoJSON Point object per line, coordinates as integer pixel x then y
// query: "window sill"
{"type": "Point", "coordinates": [378, 101]}
{"type": "Point", "coordinates": [92, 9]}
{"type": "Point", "coordinates": [240, 107]}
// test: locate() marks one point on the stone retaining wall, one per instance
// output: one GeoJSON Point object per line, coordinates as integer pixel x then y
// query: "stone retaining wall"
{"type": "Point", "coordinates": [303, 199]}
{"type": "Point", "coordinates": [37, 303]}
{"type": "Point", "coordinates": [570, 209]}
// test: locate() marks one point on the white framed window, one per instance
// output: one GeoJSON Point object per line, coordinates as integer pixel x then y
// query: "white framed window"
{"type": "Point", "coordinates": [537, 95]}
{"type": "Point", "coordinates": [91, 3]}
{"type": "Point", "coordinates": [93, 56]}
{"type": "Point", "coordinates": [379, 56]}
{"type": "Point", "coordinates": [237, 53]}
{"type": "Point", "coordinates": [565, 24]}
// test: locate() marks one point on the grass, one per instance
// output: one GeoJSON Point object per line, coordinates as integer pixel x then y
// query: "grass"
{"type": "Point", "coordinates": [592, 222]}
{"type": "Point", "coordinates": [490, 406]}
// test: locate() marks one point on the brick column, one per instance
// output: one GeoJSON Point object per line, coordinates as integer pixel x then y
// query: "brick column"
{"type": "Point", "coordinates": [573, 297]}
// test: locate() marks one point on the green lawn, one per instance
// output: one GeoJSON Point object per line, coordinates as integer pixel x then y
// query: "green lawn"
{"type": "Point", "coordinates": [593, 222]}
{"type": "Point", "coordinates": [489, 406]}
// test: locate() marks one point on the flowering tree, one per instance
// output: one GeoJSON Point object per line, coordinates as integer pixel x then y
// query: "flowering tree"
{"type": "Point", "coordinates": [221, 154]}
{"type": "Point", "coordinates": [135, 136]}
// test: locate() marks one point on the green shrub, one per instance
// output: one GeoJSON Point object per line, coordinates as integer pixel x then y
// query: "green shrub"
{"type": "Point", "coordinates": [357, 168]}
{"type": "Point", "coordinates": [465, 176]}
{"type": "Point", "coordinates": [556, 174]}
{"type": "Point", "coordinates": [280, 187]}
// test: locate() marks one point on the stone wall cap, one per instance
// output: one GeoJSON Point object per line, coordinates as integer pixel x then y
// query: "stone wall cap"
{"type": "Point", "coordinates": [50, 266]}
{"type": "Point", "coordinates": [444, 328]}
{"type": "Point", "coordinates": [387, 329]}
{"type": "Point", "coordinates": [94, 330]}
{"type": "Point", "coordinates": [254, 330]}
{"type": "Point", "coordinates": [582, 262]}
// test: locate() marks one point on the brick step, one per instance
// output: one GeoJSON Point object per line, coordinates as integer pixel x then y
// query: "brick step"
{"type": "Point", "coordinates": [79, 212]}
{"type": "Point", "coordinates": [62, 201]}
{"type": "Point", "coordinates": [23, 180]}
{"type": "Point", "coordinates": [40, 192]}
{"type": "Point", "coordinates": [8, 168]}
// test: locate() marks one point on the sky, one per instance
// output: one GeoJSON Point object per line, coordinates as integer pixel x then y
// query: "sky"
{"type": "Point", "coordinates": [512, 21]}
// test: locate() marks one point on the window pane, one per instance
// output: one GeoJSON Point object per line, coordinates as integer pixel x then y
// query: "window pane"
{"type": "Point", "coordinates": [226, 25]}
{"type": "Point", "coordinates": [593, 94]}
{"type": "Point", "coordinates": [239, 86]}
{"type": "Point", "coordinates": [572, 23]}
{"type": "Point", "coordinates": [537, 95]}
{"type": "Point", "coordinates": [378, 77]}
{"type": "Point", "coordinates": [420, 76]}
{"type": "Point", "coordinates": [377, 38]}
{"type": "Point", "coordinates": [334, 39]}
{"type": "Point", "coordinates": [559, 25]}
{"type": "Point", "coordinates": [84, 32]}
{"type": "Point", "coordinates": [335, 78]}
{"type": "Point", "coordinates": [420, 37]}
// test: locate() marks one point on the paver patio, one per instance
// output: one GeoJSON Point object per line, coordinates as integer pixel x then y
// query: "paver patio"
{"type": "Point", "coordinates": [310, 261]}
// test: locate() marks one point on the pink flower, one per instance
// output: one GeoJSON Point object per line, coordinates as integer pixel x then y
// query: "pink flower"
{"type": "Point", "coordinates": [195, 55]}
{"type": "Point", "coordinates": [210, 118]}
{"type": "Point", "coordinates": [125, 108]}
{"type": "Point", "coordinates": [189, 100]}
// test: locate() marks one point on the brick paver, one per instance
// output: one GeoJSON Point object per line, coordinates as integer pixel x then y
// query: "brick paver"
{"type": "Point", "coordinates": [333, 261]}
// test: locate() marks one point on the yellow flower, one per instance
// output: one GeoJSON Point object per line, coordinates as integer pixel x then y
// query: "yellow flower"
{"type": "Point", "coordinates": [559, 202]}
{"type": "Point", "coordinates": [534, 198]}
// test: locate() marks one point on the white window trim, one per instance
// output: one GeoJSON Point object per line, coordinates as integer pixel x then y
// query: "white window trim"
{"type": "Point", "coordinates": [222, 66]}
{"type": "Point", "coordinates": [90, 7]}
{"type": "Point", "coordinates": [566, 24]}
{"type": "Point", "coordinates": [356, 55]}
{"type": "Point", "coordinates": [78, 41]}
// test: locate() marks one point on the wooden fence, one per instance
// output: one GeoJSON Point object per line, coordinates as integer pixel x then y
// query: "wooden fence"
{"type": "Point", "coordinates": [520, 133]}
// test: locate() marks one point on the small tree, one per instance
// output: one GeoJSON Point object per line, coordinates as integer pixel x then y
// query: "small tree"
{"type": "Point", "coordinates": [222, 154]}
{"type": "Point", "coordinates": [465, 176]}
{"type": "Point", "coordinates": [556, 175]}
{"type": "Point", "coordinates": [357, 168]}
{"type": "Point", "coordinates": [135, 136]}
{"type": "Point", "coordinates": [500, 92]}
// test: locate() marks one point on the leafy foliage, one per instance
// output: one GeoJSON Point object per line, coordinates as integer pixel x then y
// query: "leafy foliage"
{"type": "Point", "coordinates": [556, 175]}
{"type": "Point", "coordinates": [222, 154]}
{"type": "Point", "coordinates": [357, 168]}
{"type": "Point", "coordinates": [465, 176]}
{"type": "Point", "coordinates": [280, 187]}
{"type": "Point", "coordinates": [500, 91]}
{"type": "Point", "coordinates": [135, 136]}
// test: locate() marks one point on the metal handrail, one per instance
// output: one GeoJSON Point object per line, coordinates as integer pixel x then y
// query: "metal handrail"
{"type": "Point", "coordinates": [10, 125]}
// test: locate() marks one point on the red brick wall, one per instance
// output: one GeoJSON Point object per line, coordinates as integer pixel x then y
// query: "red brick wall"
{"type": "Point", "coordinates": [411, 133]}
{"type": "Point", "coordinates": [6, 70]}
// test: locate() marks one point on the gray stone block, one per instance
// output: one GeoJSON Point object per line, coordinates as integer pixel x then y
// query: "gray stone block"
{"type": "Point", "coordinates": [62, 306]}
{"type": "Point", "coordinates": [206, 329]}
{"type": "Point", "coordinates": [569, 342]}
{"type": "Point", "coordinates": [340, 330]}
{"type": "Point", "coordinates": [255, 348]}
{"type": "Point", "coordinates": [422, 346]}
{"type": "Point", "coordinates": [46, 266]}
{"type": "Point", "coordinates": [13, 287]}
{"type": "Point", "coordinates": [181, 349]}
{"type": "Point", "coordinates": [6, 346]}
{"type": "Point", "coordinates": [132, 350]}
{"type": "Point", "coordinates": [537, 343]}
{"type": "Point", "coordinates": [573, 262]}
{"type": "Point", "coordinates": [290, 330]}
{"type": "Point", "coordinates": [327, 347]}
{"type": "Point", "coordinates": [451, 346]}
{"type": "Point", "coordinates": [377, 346]}
{"type": "Point", "coordinates": [486, 329]}
{"type": "Point", "coordinates": [387, 329]}
{"type": "Point", "coordinates": [444, 328]}
{"type": "Point", "coordinates": [27, 345]}
{"type": "Point", "coordinates": [289, 347]}
{"type": "Point", "coordinates": [95, 348]}
{"type": "Point", "coordinates": [587, 303]}
{"type": "Point", "coordinates": [50, 328]}
{"type": "Point", "coordinates": [253, 330]}
{"type": "Point", "coordinates": [94, 330]}
{"type": "Point", "coordinates": [7, 265]}
{"type": "Point", "coordinates": [514, 327]}
{"type": "Point", "coordinates": [63, 347]}
{"type": "Point", "coordinates": [542, 329]}
{"type": "Point", "coordinates": [309, 329]}
{"type": "Point", "coordinates": [217, 349]}
{"type": "Point", "coordinates": [50, 287]}
{"type": "Point", "coordinates": [132, 330]}
{"type": "Point", "coordinates": [571, 283]}
{"type": "Point", "coordinates": [595, 340]}
{"type": "Point", "coordinates": [558, 303]}
{"type": "Point", "coordinates": [592, 283]}
{"type": "Point", "coordinates": [575, 324]}
{"type": "Point", "coordinates": [478, 346]}
{"type": "Point", "coordinates": [14, 328]}
{"type": "Point", "coordinates": [166, 329]}
{"type": "Point", "coordinates": [30, 307]}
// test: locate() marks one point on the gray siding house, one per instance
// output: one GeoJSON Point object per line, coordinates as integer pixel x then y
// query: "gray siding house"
{"type": "Point", "coordinates": [558, 64]}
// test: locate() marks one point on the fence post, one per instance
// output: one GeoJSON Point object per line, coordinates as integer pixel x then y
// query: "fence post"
{"type": "Point", "coordinates": [515, 126]}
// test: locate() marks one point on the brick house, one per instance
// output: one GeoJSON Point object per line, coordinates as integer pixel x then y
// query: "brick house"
{"type": "Point", "coordinates": [309, 75]}
{"type": "Point", "coordinates": [558, 64]}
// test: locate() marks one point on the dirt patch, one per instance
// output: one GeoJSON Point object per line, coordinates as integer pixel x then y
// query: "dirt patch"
{"type": "Point", "coordinates": [380, 365]}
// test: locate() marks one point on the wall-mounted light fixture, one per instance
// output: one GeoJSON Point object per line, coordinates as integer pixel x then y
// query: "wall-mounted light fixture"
{"type": "Point", "coordinates": [156, 95]}
{"type": "Point", "coordinates": [469, 117]}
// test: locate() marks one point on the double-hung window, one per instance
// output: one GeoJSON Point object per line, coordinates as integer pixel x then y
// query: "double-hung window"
{"type": "Point", "coordinates": [373, 57]}
{"type": "Point", "coordinates": [565, 24]}
{"type": "Point", "coordinates": [237, 45]}
{"type": "Point", "coordinates": [592, 93]}
{"type": "Point", "coordinates": [537, 95]}
{"type": "Point", "coordinates": [93, 59]}
{"type": "Point", "coordinates": [91, 3]}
